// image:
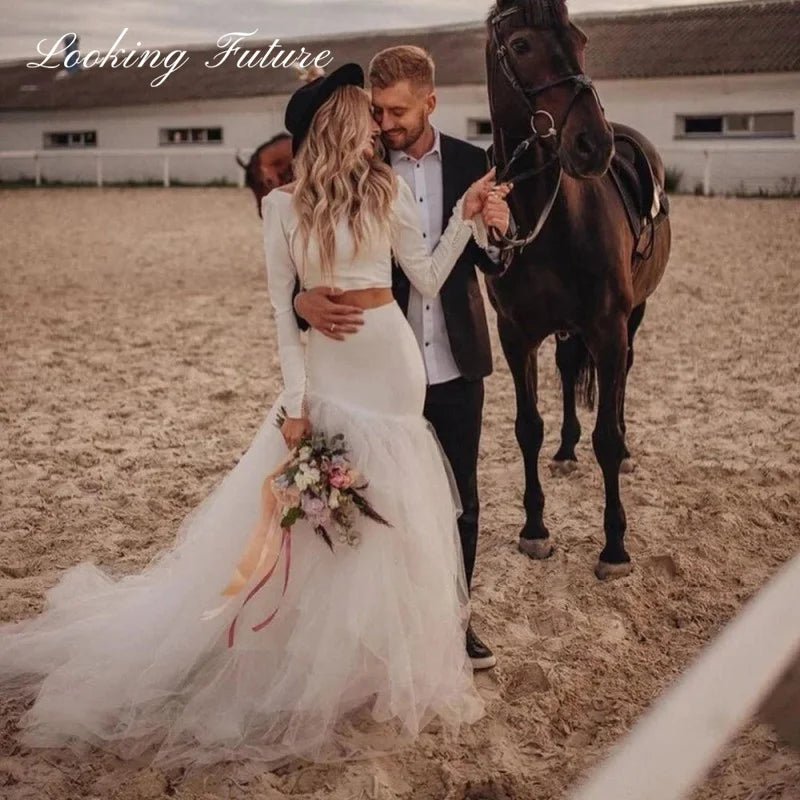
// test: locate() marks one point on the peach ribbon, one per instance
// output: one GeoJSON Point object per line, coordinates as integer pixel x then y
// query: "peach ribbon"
{"type": "Point", "coordinates": [262, 552]}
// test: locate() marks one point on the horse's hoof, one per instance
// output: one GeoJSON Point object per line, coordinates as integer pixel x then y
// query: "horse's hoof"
{"type": "Point", "coordinates": [627, 466]}
{"type": "Point", "coordinates": [610, 572]}
{"type": "Point", "coordinates": [563, 467]}
{"type": "Point", "coordinates": [538, 549]}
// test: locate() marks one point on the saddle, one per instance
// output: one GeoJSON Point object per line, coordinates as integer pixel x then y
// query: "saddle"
{"type": "Point", "coordinates": [644, 199]}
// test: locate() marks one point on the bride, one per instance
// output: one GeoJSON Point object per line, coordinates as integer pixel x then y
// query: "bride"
{"type": "Point", "coordinates": [367, 644]}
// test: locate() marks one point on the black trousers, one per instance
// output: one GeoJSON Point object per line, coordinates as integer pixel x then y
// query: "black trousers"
{"type": "Point", "coordinates": [455, 409]}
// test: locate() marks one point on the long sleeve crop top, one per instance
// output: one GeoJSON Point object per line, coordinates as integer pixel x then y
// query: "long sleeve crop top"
{"type": "Point", "coordinates": [371, 269]}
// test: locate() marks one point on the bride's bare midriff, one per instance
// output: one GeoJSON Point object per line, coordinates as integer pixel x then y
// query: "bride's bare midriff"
{"type": "Point", "coordinates": [365, 298]}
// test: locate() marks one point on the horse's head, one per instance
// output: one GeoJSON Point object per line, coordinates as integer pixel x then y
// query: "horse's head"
{"type": "Point", "coordinates": [534, 64]}
{"type": "Point", "coordinates": [270, 166]}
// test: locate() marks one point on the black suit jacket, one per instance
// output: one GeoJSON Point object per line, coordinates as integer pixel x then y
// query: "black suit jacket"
{"type": "Point", "coordinates": [462, 302]}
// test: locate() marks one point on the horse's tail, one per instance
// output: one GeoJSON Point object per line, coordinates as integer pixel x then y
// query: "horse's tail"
{"type": "Point", "coordinates": [585, 376]}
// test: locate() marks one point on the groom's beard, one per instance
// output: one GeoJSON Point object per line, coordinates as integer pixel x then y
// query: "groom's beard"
{"type": "Point", "coordinates": [403, 138]}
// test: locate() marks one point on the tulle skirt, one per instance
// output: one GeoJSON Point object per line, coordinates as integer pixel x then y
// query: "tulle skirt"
{"type": "Point", "coordinates": [368, 643]}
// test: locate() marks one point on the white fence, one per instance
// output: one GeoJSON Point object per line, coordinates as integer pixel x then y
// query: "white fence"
{"type": "Point", "coordinates": [679, 740]}
{"type": "Point", "coordinates": [720, 169]}
{"type": "Point", "coordinates": [736, 168]}
{"type": "Point", "coordinates": [99, 165]}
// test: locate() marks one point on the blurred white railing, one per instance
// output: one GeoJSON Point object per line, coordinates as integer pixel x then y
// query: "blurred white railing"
{"type": "Point", "coordinates": [102, 156]}
{"type": "Point", "coordinates": [674, 745]}
{"type": "Point", "coordinates": [719, 168]}
{"type": "Point", "coordinates": [735, 167]}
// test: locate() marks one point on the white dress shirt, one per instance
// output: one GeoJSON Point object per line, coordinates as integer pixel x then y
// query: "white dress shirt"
{"type": "Point", "coordinates": [426, 316]}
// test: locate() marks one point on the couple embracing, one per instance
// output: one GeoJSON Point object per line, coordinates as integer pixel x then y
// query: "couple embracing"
{"type": "Point", "coordinates": [373, 248]}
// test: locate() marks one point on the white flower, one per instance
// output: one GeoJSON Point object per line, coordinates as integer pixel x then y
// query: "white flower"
{"type": "Point", "coordinates": [306, 476]}
{"type": "Point", "coordinates": [313, 471]}
{"type": "Point", "coordinates": [304, 453]}
{"type": "Point", "coordinates": [333, 500]}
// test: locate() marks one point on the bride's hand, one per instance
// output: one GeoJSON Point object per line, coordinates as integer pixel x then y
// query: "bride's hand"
{"type": "Point", "coordinates": [496, 213]}
{"type": "Point", "coordinates": [295, 429]}
{"type": "Point", "coordinates": [476, 195]}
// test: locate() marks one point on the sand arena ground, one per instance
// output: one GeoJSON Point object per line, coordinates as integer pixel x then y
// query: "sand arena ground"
{"type": "Point", "coordinates": [139, 358]}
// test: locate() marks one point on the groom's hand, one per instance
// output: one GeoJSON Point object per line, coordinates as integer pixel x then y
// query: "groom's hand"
{"type": "Point", "coordinates": [333, 319]}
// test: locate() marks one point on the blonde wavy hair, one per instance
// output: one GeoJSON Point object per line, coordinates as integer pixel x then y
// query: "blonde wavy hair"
{"type": "Point", "coordinates": [334, 177]}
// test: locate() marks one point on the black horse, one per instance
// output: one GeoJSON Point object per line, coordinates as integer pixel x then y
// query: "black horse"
{"type": "Point", "coordinates": [589, 193]}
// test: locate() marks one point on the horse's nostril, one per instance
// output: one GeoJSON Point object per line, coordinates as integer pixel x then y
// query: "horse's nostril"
{"type": "Point", "coordinates": [584, 145]}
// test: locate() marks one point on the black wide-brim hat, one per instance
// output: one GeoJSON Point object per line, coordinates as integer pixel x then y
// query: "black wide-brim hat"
{"type": "Point", "coordinates": [306, 101]}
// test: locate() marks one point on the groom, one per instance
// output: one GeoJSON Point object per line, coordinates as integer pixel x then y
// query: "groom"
{"type": "Point", "coordinates": [451, 329]}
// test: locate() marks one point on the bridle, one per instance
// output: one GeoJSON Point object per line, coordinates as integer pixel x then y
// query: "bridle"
{"type": "Point", "coordinates": [580, 82]}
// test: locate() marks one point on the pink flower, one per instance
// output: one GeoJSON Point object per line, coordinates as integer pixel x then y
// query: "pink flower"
{"type": "Point", "coordinates": [340, 479]}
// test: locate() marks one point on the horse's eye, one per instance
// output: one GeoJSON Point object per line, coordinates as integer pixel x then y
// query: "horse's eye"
{"type": "Point", "coordinates": [520, 46]}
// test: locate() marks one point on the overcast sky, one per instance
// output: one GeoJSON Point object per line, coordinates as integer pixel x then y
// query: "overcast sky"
{"type": "Point", "coordinates": [178, 23]}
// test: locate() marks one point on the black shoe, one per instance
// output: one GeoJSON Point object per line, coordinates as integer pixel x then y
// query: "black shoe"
{"type": "Point", "coordinates": [479, 654]}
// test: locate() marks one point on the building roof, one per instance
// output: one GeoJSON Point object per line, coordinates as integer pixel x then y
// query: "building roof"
{"type": "Point", "coordinates": [726, 38]}
{"type": "Point", "coordinates": [721, 38]}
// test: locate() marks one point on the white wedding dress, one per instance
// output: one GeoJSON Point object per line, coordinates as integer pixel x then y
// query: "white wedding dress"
{"type": "Point", "coordinates": [368, 643]}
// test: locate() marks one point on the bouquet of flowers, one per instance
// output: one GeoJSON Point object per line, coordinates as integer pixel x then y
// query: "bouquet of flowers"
{"type": "Point", "coordinates": [320, 484]}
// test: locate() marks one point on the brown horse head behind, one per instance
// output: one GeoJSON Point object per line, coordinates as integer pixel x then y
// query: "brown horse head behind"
{"type": "Point", "coordinates": [269, 166]}
{"type": "Point", "coordinates": [535, 65]}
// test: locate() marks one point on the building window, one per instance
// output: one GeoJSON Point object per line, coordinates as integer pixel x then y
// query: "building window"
{"type": "Point", "coordinates": [702, 126]}
{"type": "Point", "coordinates": [479, 129]}
{"type": "Point", "coordinates": [190, 136]}
{"type": "Point", "coordinates": [771, 124]}
{"type": "Point", "coordinates": [737, 123]}
{"type": "Point", "coordinates": [70, 139]}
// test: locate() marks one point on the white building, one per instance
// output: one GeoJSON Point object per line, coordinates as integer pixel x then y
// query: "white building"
{"type": "Point", "coordinates": [716, 87]}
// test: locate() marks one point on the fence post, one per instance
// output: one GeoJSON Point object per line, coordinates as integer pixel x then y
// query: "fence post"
{"type": "Point", "coordinates": [37, 165]}
{"type": "Point", "coordinates": [707, 173]}
{"type": "Point", "coordinates": [166, 170]}
{"type": "Point", "coordinates": [680, 737]}
{"type": "Point", "coordinates": [99, 168]}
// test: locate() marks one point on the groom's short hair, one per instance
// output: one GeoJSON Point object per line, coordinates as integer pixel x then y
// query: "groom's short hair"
{"type": "Point", "coordinates": [403, 63]}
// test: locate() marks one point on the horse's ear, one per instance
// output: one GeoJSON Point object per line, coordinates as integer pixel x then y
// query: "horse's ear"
{"type": "Point", "coordinates": [578, 33]}
{"type": "Point", "coordinates": [306, 75]}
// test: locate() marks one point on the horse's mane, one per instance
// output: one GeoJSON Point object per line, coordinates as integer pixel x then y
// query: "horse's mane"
{"type": "Point", "coordinates": [536, 13]}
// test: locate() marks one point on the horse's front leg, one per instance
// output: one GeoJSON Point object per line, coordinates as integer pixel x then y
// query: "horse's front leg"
{"type": "Point", "coordinates": [521, 355]}
{"type": "Point", "coordinates": [610, 350]}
